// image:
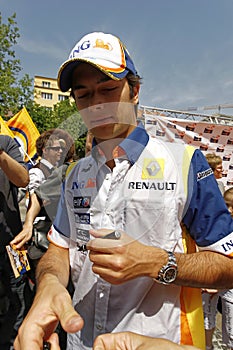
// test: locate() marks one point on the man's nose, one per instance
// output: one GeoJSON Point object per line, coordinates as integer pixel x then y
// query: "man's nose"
{"type": "Point", "coordinates": [96, 107]}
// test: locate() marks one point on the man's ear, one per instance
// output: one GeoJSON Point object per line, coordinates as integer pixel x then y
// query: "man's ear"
{"type": "Point", "coordinates": [44, 151]}
{"type": "Point", "coordinates": [135, 98]}
{"type": "Point", "coordinates": [230, 208]}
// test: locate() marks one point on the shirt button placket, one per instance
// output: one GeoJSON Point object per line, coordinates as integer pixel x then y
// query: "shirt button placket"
{"type": "Point", "coordinates": [102, 295]}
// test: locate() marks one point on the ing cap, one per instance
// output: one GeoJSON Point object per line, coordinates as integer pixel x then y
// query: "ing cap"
{"type": "Point", "coordinates": [104, 51]}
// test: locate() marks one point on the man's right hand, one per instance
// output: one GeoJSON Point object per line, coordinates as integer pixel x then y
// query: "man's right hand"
{"type": "Point", "coordinates": [133, 341]}
{"type": "Point", "coordinates": [23, 237]}
{"type": "Point", "coordinates": [52, 304]}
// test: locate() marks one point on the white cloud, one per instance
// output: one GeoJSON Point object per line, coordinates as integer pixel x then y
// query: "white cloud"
{"type": "Point", "coordinates": [42, 48]}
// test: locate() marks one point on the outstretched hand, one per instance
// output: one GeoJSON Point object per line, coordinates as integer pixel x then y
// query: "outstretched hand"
{"type": "Point", "coordinates": [133, 341]}
{"type": "Point", "coordinates": [52, 304]}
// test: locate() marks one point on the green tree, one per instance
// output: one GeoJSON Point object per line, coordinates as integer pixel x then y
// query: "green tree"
{"type": "Point", "coordinates": [14, 91]}
{"type": "Point", "coordinates": [41, 116]}
{"type": "Point", "coordinates": [66, 116]}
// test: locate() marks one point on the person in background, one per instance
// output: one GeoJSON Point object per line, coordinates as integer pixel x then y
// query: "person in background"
{"type": "Point", "coordinates": [215, 162]}
{"type": "Point", "coordinates": [13, 174]}
{"type": "Point", "coordinates": [228, 197]}
{"type": "Point", "coordinates": [44, 199]}
{"type": "Point", "coordinates": [67, 144]}
{"type": "Point", "coordinates": [211, 298]}
{"type": "Point", "coordinates": [50, 151]}
{"type": "Point", "coordinates": [226, 296]}
{"type": "Point", "coordinates": [45, 196]}
{"type": "Point", "coordinates": [118, 224]}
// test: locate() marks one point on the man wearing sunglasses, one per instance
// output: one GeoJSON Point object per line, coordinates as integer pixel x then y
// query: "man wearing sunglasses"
{"type": "Point", "coordinates": [50, 151]}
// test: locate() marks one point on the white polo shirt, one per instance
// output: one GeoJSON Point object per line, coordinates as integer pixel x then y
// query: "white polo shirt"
{"type": "Point", "coordinates": [147, 195]}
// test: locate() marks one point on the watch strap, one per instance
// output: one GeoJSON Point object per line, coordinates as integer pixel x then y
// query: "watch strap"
{"type": "Point", "coordinates": [170, 266]}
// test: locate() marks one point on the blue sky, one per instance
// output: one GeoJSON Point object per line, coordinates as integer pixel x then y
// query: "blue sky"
{"type": "Point", "coordinates": [183, 49]}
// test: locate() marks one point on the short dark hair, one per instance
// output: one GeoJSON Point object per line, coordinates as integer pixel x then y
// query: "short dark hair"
{"type": "Point", "coordinates": [69, 149]}
{"type": "Point", "coordinates": [46, 139]}
{"type": "Point", "coordinates": [133, 80]}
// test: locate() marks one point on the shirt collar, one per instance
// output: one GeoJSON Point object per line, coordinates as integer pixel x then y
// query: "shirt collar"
{"type": "Point", "coordinates": [47, 163]}
{"type": "Point", "coordinates": [131, 147]}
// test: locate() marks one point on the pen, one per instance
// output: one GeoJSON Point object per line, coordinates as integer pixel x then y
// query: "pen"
{"type": "Point", "coordinates": [112, 235]}
{"type": "Point", "coordinates": [46, 345]}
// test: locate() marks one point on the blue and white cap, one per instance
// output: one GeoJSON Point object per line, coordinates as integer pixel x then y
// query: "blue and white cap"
{"type": "Point", "coordinates": [104, 51]}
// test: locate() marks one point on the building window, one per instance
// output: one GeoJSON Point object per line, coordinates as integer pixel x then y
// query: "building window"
{"type": "Point", "coordinates": [46, 96]}
{"type": "Point", "coordinates": [46, 84]}
{"type": "Point", "coordinates": [62, 97]}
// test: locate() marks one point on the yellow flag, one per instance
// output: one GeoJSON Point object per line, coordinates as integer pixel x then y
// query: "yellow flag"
{"type": "Point", "coordinates": [5, 129]}
{"type": "Point", "coordinates": [25, 131]}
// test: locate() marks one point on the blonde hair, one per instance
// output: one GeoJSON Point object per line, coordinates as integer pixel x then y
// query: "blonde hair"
{"type": "Point", "coordinates": [213, 160]}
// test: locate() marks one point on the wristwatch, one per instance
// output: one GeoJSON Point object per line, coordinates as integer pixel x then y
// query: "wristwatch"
{"type": "Point", "coordinates": [167, 274]}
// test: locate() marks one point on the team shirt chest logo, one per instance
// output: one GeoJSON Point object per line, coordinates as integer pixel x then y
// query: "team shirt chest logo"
{"type": "Point", "coordinates": [153, 168]}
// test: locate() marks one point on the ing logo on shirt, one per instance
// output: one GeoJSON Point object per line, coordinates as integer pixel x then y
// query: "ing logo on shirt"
{"type": "Point", "coordinates": [153, 168]}
{"type": "Point", "coordinates": [90, 183]}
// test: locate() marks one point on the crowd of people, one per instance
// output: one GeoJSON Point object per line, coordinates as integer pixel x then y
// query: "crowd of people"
{"type": "Point", "coordinates": [212, 298]}
{"type": "Point", "coordinates": [15, 292]}
{"type": "Point", "coordinates": [135, 242]}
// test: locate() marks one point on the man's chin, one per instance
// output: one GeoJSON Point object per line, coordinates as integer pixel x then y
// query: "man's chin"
{"type": "Point", "coordinates": [103, 131]}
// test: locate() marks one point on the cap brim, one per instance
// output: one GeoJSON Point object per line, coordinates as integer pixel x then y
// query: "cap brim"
{"type": "Point", "coordinates": [64, 78]}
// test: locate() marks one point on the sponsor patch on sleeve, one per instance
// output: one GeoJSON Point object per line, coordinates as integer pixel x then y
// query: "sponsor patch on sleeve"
{"type": "Point", "coordinates": [203, 174]}
{"type": "Point", "coordinates": [224, 246]}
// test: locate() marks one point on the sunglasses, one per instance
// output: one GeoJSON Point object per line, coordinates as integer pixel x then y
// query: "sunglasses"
{"type": "Point", "coordinates": [56, 148]}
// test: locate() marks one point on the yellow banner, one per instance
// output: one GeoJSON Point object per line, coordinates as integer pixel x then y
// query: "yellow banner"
{"type": "Point", "coordinates": [25, 132]}
{"type": "Point", "coordinates": [5, 129]}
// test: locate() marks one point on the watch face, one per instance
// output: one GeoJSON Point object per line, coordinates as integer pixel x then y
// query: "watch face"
{"type": "Point", "coordinates": [170, 274]}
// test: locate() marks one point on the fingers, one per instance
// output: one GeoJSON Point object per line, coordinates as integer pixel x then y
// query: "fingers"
{"type": "Point", "coordinates": [23, 237]}
{"type": "Point", "coordinates": [53, 340]}
{"type": "Point", "coordinates": [70, 320]}
{"type": "Point", "coordinates": [101, 244]}
{"type": "Point", "coordinates": [100, 233]}
{"type": "Point", "coordinates": [105, 239]}
{"type": "Point", "coordinates": [133, 341]}
{"type": "Point", "coordinates": [105, 342]}
{"type": "Point", "coordinates": [27, 341]}
{"type": "Point", "coordinates": [32, 333]}
{"type": "Point", "coordinates": [43, 317]}
{"type": "Point", "coordinates": [121, 341]}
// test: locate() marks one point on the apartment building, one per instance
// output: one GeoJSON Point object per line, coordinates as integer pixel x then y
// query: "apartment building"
{"type": "Point", "coordinates": [47, 93]}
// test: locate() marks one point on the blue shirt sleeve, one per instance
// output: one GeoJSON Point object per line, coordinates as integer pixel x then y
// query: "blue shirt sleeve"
{"type": "Point", "coordinates": [207, 217]}
{"type": "Point", "coordinates": [61, 221]}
